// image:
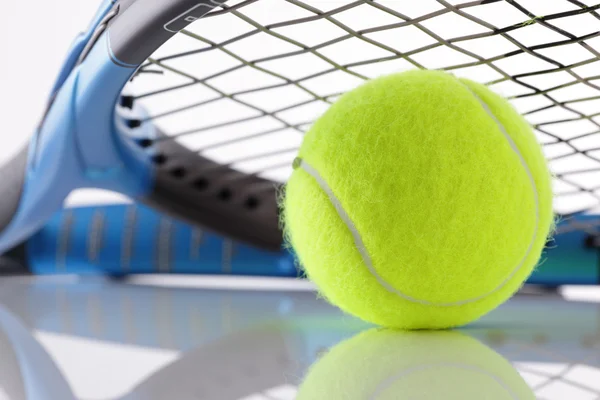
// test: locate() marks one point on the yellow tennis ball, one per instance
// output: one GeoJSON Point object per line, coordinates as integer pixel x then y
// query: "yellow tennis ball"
{"type": "Point", "coordinates": [386, 365]}
{"type": "Point", "coordinates": [419, 200]}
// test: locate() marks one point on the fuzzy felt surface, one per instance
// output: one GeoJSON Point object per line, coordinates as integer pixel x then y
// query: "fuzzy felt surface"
{"type": "Point", "coordinates": [448, 188]}
{"type": "Point", "coordinates": [385, 365]}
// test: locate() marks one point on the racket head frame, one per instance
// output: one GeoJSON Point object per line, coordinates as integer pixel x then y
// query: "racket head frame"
{"type": "Point", "coordinates": [84, 141]}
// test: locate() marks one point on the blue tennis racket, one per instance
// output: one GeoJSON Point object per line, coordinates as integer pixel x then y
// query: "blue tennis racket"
{"type": "Point", "coordinates": [196, 108]}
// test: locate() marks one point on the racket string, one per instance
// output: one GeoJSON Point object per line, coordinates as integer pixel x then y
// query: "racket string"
{"type": "Point", "coordinates": [531, 59]}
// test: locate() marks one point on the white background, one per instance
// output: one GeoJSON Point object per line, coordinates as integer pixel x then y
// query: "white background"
{"type": "Point", "coordinates": [34, 39]}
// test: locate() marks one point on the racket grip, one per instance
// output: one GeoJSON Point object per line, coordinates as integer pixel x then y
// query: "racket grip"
{"type": "Point", "coordinates": [120, 240]}
{"type": "Point", "coordinates": [12, 181]}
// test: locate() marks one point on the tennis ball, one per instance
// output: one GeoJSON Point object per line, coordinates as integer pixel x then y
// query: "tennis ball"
{"type": "Point", "coordinates": [382, 364]}
{"type": "Point", "coordinates": [419, 201]}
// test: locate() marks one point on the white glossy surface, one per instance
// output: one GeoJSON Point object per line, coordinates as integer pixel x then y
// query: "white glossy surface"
{"type": "Point", "coordinates": [226, 339]}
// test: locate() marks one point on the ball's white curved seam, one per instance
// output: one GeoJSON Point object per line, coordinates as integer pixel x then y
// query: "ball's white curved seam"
{"type": "Point", "coordinates": [360, 246]}
{"type": "Point", "coordinates": [386, 384]}
{"type": "Point", "coordinates": [514, 147]}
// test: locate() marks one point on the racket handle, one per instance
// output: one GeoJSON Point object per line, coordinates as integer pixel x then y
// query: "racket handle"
{"type": "Point", "coordinates": [133, 239]}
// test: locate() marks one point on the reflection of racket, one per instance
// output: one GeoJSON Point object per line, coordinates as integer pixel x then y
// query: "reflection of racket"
{"type": "Point", "coordinates": [129, 239]}
{"type": "Point", "coordinates": [266, 362]}
{"type": "Point", "coordinates": [202, 120]}
{"type": "Point", "coordinates": [248, 363]}
{"type": "Point", "coordinates": [27, 371]}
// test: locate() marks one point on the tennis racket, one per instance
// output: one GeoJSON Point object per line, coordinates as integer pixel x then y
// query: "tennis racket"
{"type": "Point", "coordinates": [197, 107]}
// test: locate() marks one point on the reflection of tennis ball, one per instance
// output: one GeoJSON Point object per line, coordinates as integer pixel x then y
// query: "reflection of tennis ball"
{"type": "Point", "coordinates": [419, 200]}
{"type": "Point", "coordinates": [382, 365]}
